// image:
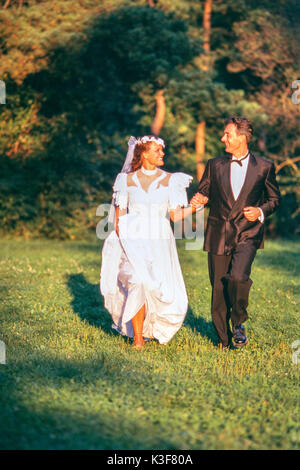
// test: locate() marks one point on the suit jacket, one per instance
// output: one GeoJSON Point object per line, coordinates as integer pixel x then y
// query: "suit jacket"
{"type": "Point", "coordinates": [226, 225]}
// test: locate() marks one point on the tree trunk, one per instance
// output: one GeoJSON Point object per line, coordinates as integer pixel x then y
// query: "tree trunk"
{"type": "Point", "coordinates": [205, 65]}
{"type": "Point", "coordinates": [159, 119]}
{"type": "Point", "coordinates": [207, 25]}
{"type": "Point", "coordinates": [7, 3]}
{"type": "Point", "coordinates": [200, 149]}
{"type": "Point", "coordinates": [262, 141]}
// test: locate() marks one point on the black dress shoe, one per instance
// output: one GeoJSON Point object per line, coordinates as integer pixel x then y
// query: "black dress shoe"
{"type": "Point", "coordinates": [223, 346]}
{"type": "Point", "coordinates": [239, 338]}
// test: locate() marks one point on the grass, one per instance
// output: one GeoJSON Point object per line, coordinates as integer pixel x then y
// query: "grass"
{"type": "Point", "coordinates": [70, 382]}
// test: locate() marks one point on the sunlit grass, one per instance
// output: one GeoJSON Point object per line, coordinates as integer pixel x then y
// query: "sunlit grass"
{"type": "Point", "coordinates": [71, 383]}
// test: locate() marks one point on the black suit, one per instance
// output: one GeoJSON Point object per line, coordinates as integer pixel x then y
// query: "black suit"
{"type": "Point", "coordinates": [230, 238]}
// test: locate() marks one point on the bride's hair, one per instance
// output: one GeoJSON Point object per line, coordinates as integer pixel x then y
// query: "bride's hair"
{"type": "Point", "coordinates": [139, 148]}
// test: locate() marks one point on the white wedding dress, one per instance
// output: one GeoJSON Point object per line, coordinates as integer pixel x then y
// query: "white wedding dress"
{"type": "Point", "coordinates": [142, 266]}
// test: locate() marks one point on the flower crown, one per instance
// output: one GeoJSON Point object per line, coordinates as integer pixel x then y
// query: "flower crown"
{"type": "Point", "coordinates": [143, 140]}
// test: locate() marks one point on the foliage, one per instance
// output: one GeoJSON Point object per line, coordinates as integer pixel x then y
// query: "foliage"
{"type": "Point", "coordinates": [83, 103]}
{"type": "Point", "coordinates": [81, 78]}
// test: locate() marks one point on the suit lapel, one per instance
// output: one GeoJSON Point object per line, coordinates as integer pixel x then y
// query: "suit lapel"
{"type": "Point", "coordinates": [224, 175]}
{"type": "Point", "coordinates": [224, 182]}
{"type": "Point", "coordinates": [248, 183]}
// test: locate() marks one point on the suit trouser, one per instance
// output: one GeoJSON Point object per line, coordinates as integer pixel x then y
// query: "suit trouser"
{"type": "Point", "coordinates": [229, 277]}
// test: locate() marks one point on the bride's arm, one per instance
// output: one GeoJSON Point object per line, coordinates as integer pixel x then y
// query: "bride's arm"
{"type": "Point", "coordinates": [119, 213]}
{"type": "Point", "coordinates": [178, 202]}
{"type": "Point", "coordinates": [179, 214]}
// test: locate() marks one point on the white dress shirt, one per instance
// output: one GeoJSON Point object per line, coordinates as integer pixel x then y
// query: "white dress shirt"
{"type": "Point", "coordinates": [237, 179]}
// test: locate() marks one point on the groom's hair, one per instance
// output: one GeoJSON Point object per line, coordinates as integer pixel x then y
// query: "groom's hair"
{"type": "Point", "coordinates": [244, 126]}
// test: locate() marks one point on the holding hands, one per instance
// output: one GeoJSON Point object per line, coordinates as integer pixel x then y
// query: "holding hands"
{"type": "Point", "coordinates": [198, 200]}
{"type": "Point", "coordinates": [251, 213]}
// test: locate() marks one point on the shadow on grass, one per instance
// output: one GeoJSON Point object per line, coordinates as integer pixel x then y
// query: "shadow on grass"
{"type": "Point", "coordinates": [69, 421]}
{"type": "Point", "coordinates": [198, 324]}
{"type": "Point", "coordinates": [88, 303]}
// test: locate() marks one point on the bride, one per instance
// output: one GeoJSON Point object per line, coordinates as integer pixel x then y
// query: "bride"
{"type": "Point", "coordinates": [141, 278]}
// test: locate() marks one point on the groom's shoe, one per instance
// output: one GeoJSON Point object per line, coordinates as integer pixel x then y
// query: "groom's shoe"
{"type": "Point", "coordinates": [239, 338]}
{"type": "Point", "coordinates": [223, 347]}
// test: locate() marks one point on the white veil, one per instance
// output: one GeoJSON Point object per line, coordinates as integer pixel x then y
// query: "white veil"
{"type": "Point", "coordinates": [127, 164]}
{"type": "Point", "coordinates": [125, 169]}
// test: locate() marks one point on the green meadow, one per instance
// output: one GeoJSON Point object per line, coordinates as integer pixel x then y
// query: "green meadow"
{"type": "Point", "coordinates": [70, 382]}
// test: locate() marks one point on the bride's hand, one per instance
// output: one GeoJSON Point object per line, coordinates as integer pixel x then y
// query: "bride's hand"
{"type": "Point", "coordinates": [198, 199]}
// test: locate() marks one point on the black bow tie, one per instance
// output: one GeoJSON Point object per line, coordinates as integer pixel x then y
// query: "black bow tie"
{"type": "Point", "coordinates": [240, 160]}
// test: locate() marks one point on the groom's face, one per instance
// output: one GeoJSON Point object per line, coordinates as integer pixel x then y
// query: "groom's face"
{"type": "Point", "coordinates": [232, 140]}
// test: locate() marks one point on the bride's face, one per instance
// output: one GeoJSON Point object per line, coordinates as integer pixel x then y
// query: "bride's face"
{"type": "Point", "coordinates": [154, 155]}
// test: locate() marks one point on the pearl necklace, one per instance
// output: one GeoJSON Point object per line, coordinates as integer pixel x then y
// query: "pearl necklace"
{"type": "Point", "coordinates": [148, 172]}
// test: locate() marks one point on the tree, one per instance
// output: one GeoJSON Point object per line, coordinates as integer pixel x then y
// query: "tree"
{"type": "Point", "coordinates": [81, 77]}
{"type": "Point", "coordinates": [73, 105]}
{"type": "Point", "coordinates": [7, 4]}
{"type": "Point", "coordinates": [200, 134]}
{"type": "Point", "coordinates": [266, 61]}
{"type": "Point", "coordinates": [159, 118]}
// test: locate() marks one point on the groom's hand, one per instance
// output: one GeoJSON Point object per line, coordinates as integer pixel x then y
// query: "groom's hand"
{"type": "Point", "coordinates": [252, 213]}
{"type": "Point", "coordinates": [198, 199]}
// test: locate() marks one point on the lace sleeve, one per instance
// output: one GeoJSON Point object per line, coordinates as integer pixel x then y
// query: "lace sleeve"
{"type": "Point", "coordinates": [177, 190]}
{"type": "Point", "coordinates": [120, 193]}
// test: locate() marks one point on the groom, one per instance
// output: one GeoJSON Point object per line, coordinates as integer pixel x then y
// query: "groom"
{"type": "Point", "coordinates": [242, 191]}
